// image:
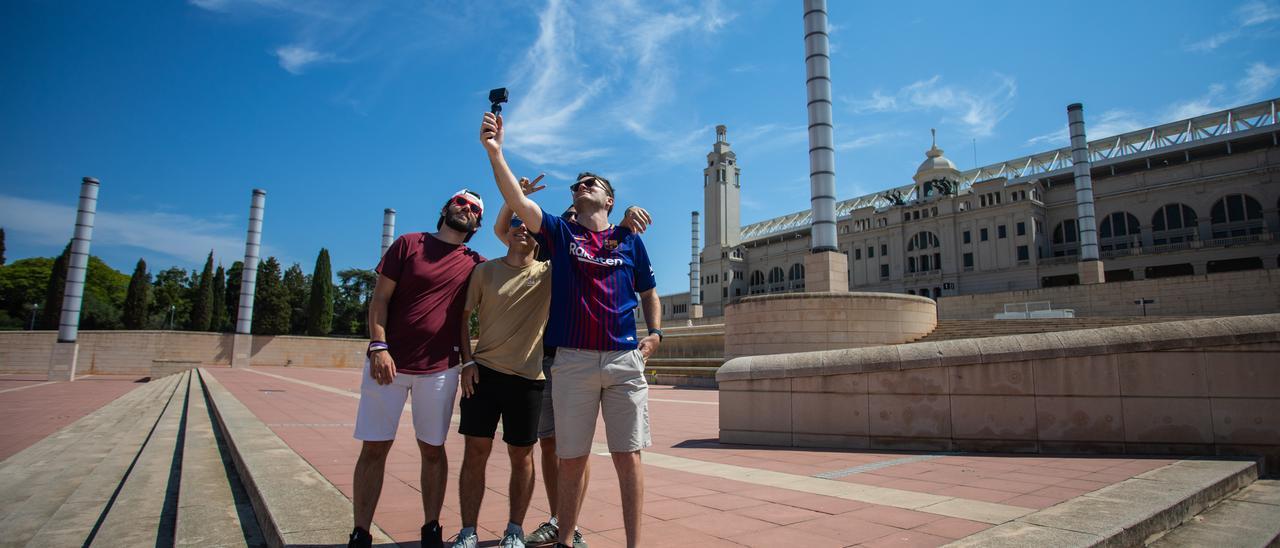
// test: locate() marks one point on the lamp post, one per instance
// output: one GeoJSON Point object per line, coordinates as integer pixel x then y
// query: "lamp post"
{"type": "Point", "coordinates": [35, 309]}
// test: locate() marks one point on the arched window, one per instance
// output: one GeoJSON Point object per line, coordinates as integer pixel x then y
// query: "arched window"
{"type": "Point", "coordinates": [925, 262]}
{"type": "Point", "coordinates": [757, 278]}
{"type": "Point", "coordinates": [1119, 230]}
{"type": "Point", "coordinates": [775, 275]}
{"type": "Point", "coordinates": [1172, 224]}
{"type": "Point", "coordinates": [1236, 215]}
{"type": "Point", "coordinates": [1065, 237]}
{"type": "Point", "coordinates": [923, 240]}
{"type": "Point", "coordinates": [797, 273]}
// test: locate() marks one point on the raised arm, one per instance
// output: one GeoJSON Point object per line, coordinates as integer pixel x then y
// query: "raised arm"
{"type": "Point", "coordinates": [501, 227]}
{"type": "Point", "coordinates": [491, 135]}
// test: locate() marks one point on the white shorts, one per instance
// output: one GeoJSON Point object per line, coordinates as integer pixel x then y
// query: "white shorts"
{"type": "Point", "coordinates": [382, 404]}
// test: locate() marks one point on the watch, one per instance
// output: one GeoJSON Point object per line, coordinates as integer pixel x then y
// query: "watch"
{"type": "Point", "coordinates": [657, 332]}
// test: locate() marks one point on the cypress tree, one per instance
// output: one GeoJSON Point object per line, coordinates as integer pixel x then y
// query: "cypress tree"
{"type": "Point", "coordinates": [51, 312]}
{"type": "Point", "coordinates": [233, 294]}
{"type": "Point", "coordinates": [135, 301]}
{"type": "Point", "coordinates": [202, 301]}
{"type": "Point", "coordinates": [320, 306]}
{"type": "Point", "coordinates": [295, 289]}
{"type": "Point", "coordinates": [218, 316]}
{"type": "Point", "coordinates": [270, 302]}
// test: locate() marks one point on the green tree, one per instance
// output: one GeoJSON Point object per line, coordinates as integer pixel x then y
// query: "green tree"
{"type": "Point", "coordinates": [270, 302]}
{"type": "Point", "coordinates": [218, 316]}
{"type": "Point", "coordinates": [52, 307]}
{"type": "Point", "coordinates": [136, 300]}
{"type": "Point", "coordinates": [170, 306]}
{"type": "Point", "coordinates": [202, 300]}
{"type": "Point", "coordinates": [104, 293]}
{"type": "Point", "coordinates": [295, 289]}
{"type": "Point", "coordinates": [320, 306]}
{"type": "Point", "coordinates": [233, 294]}
{"type": "Point", "coordinates": [351, 309]}
{"type": "Point", "coordinates": [22, 290]}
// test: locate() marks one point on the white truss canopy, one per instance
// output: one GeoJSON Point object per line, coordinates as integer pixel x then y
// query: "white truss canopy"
{"type": "Point", "coordinates": [1218, 126]}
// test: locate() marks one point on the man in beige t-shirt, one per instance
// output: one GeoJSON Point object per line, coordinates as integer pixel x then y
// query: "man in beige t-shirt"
{"type": "Point", "coordinates": [504, 379]}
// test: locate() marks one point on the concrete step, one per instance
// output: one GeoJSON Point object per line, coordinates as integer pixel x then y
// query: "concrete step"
{"type": "Point", "coordinates": [700, 377]}
{"type": "Point", "coordinates": [659, 361]}
{"type": "Point", "coordinates": [68, 479]}
{"type": "Point", "coordinates": [1249, 518]}
{"type": "Point", "coordinates": [213, 507]}
{"type": "Point", "coordinates": [144, 511]}
{"type": "Point", "coordinates": [1129, 513]}
{"type": "Point", "coordinates": [293, 502]}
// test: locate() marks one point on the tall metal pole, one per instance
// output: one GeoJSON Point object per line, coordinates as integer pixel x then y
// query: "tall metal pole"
{"type": "Point", "coordinates": [695, 271]}
{"type": "Point", "coordinates": [388, 229]}
{"type": "Point", "coordinates": [62, 364]}
{"type": "Point", "coordinates": [69, 324]}
{"type": "Point", "coordinates": [1090, 267]}
{"type": "Point", "coordinates": [243, 343]}
{"type": "Point", "coordinates": [822, 152]}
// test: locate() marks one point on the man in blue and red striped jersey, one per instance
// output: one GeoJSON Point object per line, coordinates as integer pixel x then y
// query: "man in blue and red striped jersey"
{"type": "Point", "coordinates": [598, 270]}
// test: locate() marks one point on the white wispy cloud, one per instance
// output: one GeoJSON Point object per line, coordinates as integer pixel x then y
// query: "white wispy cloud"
{"type": "Point", "coordinates": [1249, 14]}
{"type": "Point", "coordinates": [295, 58]}
{"type": "Point", "coordinates": [1259, 78]}
{"type": "Point", "coordinates": [1110, 122]}
{"type": "Point", "coordinates": [175, 236]}
{"type": "Point", "coordinates": [1258, 81]}
{"type": "Point", "coordinates": [864, 141]}
{"type": "Point", "coordinates": [597, 71]}
{"type": "Point", "coordinates": [977, 111]}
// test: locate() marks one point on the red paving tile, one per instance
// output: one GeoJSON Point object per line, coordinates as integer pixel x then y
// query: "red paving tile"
{"type": "Point", "coordinates": [38, 410]}
{"type": "Point", "coordinates": [909, 539]}
{"type": "Point", "coordinates": [952, 528]}
{"type": "Point", "coordinates": [681, 508]}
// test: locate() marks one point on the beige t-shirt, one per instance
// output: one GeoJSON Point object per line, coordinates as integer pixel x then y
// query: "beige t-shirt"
{"type": "Point", "coordinates": [512, 305]}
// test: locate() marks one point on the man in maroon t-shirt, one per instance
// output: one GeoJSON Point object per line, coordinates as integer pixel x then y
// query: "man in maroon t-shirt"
{"type": "Point", "coordinates": [417, 332]}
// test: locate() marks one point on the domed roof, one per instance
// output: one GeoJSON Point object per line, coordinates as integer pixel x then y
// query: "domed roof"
{"type": "Point", "coordinates": [934, 158]}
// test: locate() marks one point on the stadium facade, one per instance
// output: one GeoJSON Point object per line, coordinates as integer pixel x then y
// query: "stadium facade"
{"type": "Point", "coordinates": [1188, 197]}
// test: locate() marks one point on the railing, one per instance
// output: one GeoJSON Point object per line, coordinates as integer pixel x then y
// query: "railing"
{"type": "Point", "coordinates": [1143, 142]}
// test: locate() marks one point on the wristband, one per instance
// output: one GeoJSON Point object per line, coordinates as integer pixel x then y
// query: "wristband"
{"type": "Point", "coordinates": [376, 346]}
{"type": "Point", "coordinates": [466, 365]}
{"type": "Point", "coordinates": [657, 332]}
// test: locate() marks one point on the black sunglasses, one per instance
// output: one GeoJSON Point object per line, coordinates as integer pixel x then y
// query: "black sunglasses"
{"type": "Point", "coordinates": [589, 183]}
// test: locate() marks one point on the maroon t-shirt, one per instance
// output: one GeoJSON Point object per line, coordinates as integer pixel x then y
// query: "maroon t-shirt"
{"type": "Point", "coordinates": [424, 317]}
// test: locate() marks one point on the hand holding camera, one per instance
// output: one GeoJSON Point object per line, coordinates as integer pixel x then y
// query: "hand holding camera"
{"type": "Point", "coordinates": [491, 132]}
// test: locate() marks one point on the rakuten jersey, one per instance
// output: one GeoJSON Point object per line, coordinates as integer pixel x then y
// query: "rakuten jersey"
{"type": "Point", "coordinates": [595, 277]}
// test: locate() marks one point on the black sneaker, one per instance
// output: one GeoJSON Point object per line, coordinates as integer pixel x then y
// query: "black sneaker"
{"type": "Point", "coordinates": [432, 535]}
{"type": "Point", "coordinates": [359, 539]}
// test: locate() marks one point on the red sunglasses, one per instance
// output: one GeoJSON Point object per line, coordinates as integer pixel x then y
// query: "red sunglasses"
{"type": "Point", "coordinates": [462, 202]}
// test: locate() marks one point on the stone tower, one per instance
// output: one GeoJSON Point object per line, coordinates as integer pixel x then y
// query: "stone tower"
{"type": "Point", "coordinates": [721, 193]}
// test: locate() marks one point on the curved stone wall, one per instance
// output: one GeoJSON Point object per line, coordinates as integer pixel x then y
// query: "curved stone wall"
{"type": "Point", "coordinates": [805, 322]}
{"type": "Point", "coordinates": [1208, 386]}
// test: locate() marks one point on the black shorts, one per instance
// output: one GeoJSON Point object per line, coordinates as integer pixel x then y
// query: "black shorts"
{"type": "Point", "coordinates": [514, 398]}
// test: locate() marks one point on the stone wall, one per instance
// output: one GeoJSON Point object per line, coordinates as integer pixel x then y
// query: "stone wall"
{"type": "Point", "coordinates": [137, 352]}
{"type": "Point", "coordinates": [800, 322]}
{"type": "Point", "coordinates": [1207, 386]}
{"type": "Point", "coordinates": [1224, 294]}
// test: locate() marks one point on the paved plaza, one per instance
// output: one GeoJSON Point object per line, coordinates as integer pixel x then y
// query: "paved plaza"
{"type": "Point", "coordinates": [699, 492]}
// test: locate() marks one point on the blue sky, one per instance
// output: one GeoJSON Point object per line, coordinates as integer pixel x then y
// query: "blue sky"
{"type": "Point", "coordinates": [340, 109]}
